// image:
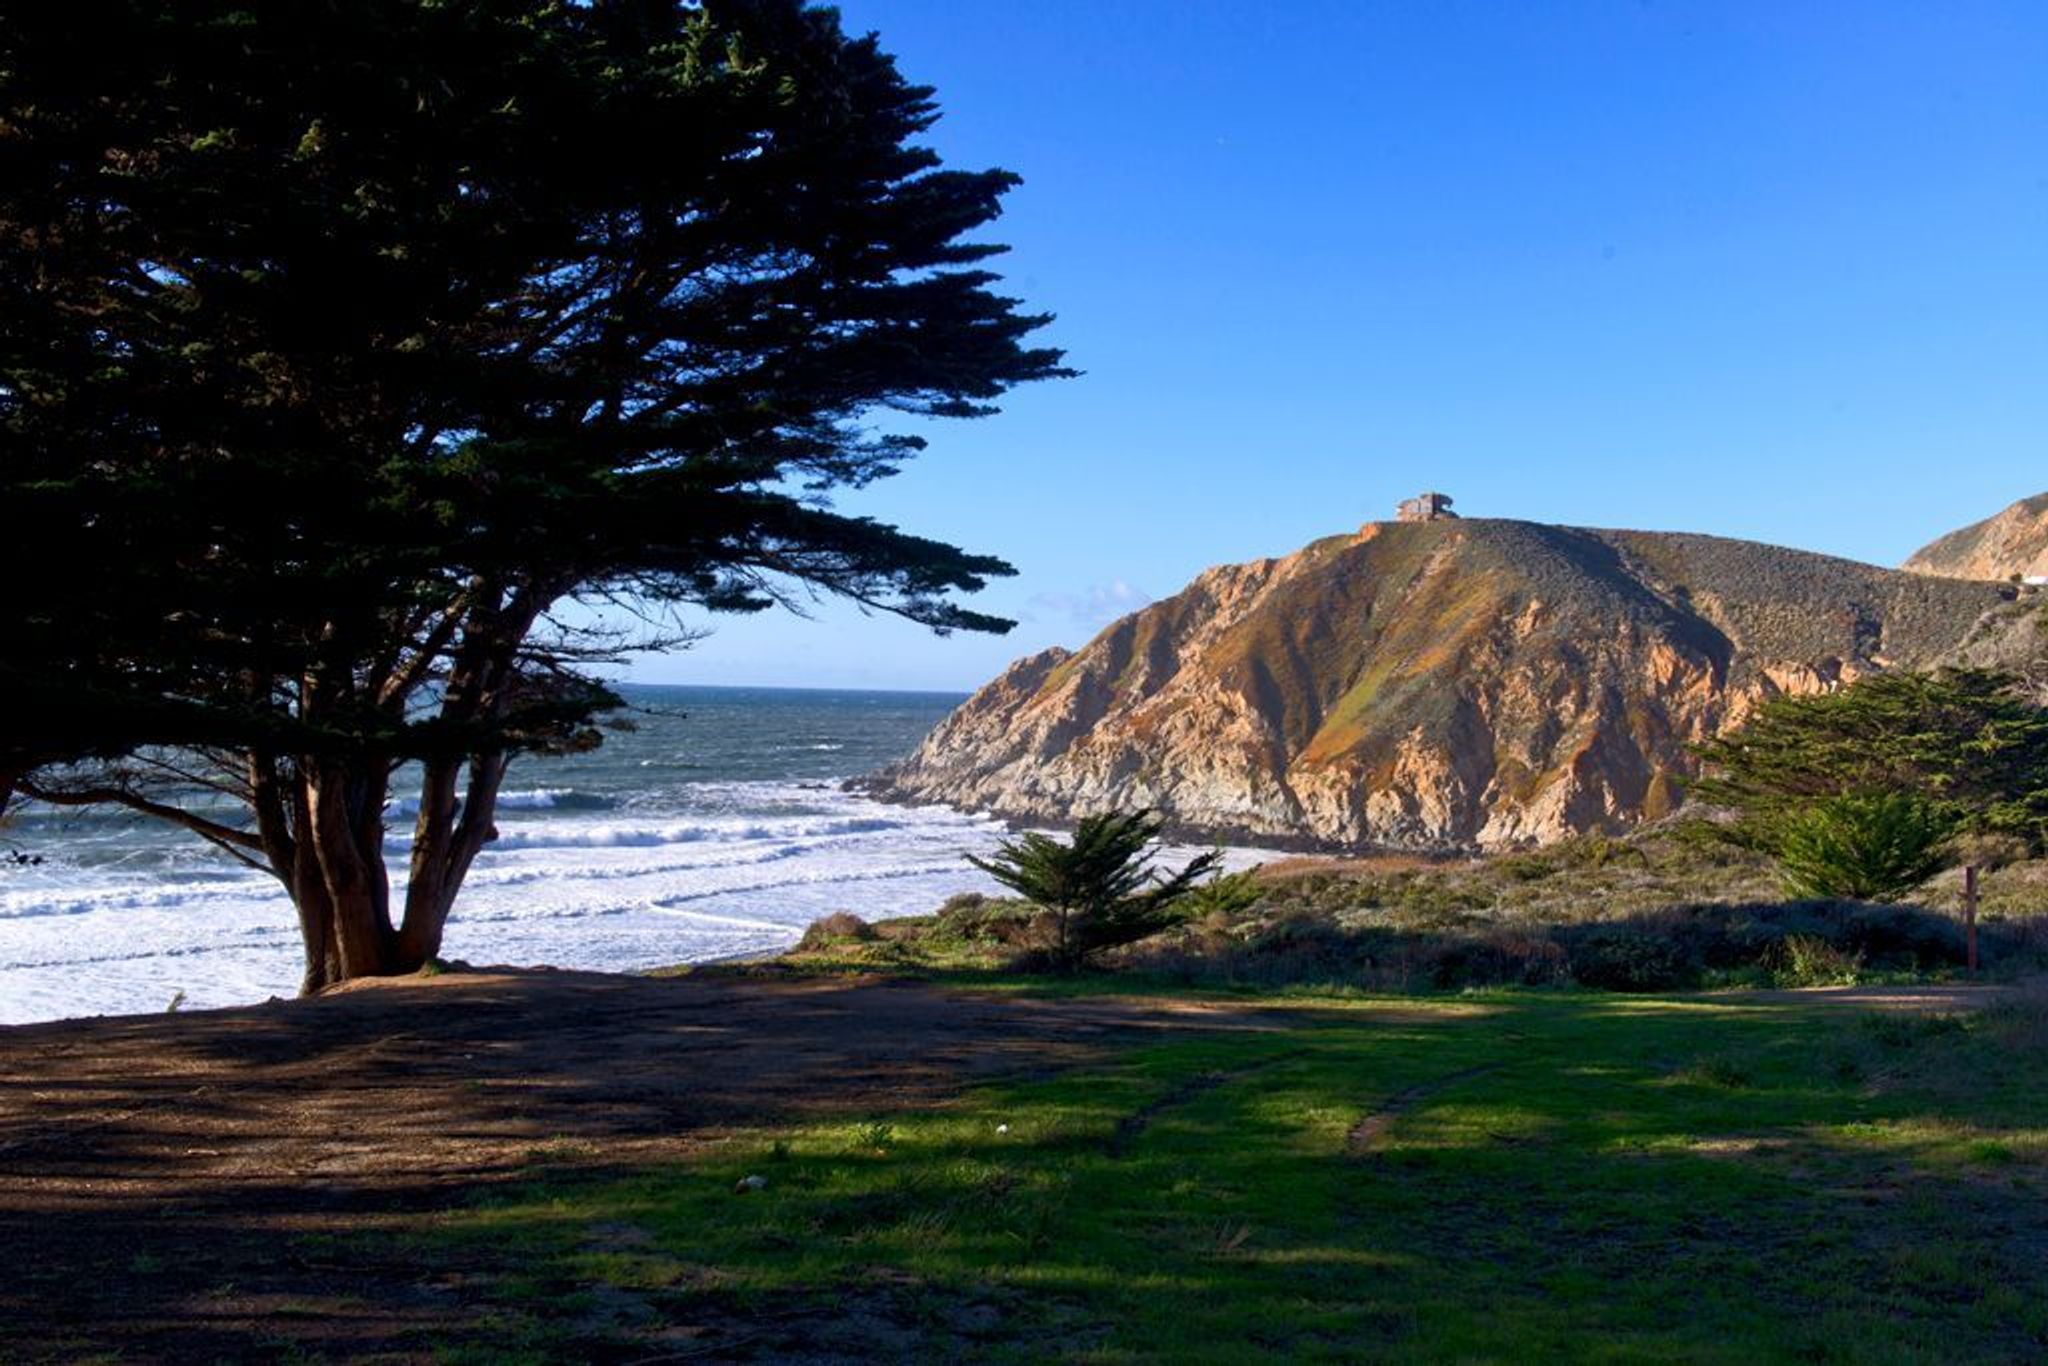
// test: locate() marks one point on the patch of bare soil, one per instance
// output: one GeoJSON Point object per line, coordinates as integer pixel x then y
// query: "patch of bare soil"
{"type": "Point", "coordinates": [165, 1180]}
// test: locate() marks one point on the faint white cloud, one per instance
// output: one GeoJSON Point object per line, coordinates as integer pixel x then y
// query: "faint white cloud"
{"type": "Point", "coordinates": [1097, 605]}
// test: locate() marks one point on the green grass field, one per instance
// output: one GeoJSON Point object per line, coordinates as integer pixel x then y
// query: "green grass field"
{"type": "Point", "coordinates": [1494, 1177]}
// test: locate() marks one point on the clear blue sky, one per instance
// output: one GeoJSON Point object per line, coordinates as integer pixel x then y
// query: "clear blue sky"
{"type": "Point", "coordinates": [1769, 270]}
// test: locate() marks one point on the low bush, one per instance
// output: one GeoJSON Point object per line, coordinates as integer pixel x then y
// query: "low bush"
{"type": "Point", "coordinates": [1805, 960]}
{"type": "Point", "coordinates": [1808, 943]}
{"type": "Point", "coordinates": [838, 927]}
{"type": "Point", "coordinates": [1625, 959]}
{"type": "Point", "coordinates": [971, 918]}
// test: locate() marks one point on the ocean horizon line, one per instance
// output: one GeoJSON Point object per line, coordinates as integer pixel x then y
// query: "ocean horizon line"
{"type": "Point", "coordinates": [959, 693]}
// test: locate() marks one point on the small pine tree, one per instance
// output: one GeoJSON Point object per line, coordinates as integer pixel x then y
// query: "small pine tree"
{"type": "Point", "coordinates": [1869, 846]}
{"type": "Point", "coordinates": [1099, 887]}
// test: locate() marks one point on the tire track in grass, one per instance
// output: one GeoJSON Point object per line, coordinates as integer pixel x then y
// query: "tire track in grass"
{"type": "Point", "coordinates": [1366, 1134]}
{"type": "Point", "coordinates": [1132, 1126]}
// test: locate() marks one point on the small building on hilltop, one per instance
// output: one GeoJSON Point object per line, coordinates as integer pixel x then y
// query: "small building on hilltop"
{"type": "Point", "coordinates": [1424, 507]}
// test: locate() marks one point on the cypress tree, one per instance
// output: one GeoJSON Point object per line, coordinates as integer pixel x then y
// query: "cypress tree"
{"type": "Point", "coordinates": [342, 346]}
{"type": "Point", "coordinates": [1854, 791]}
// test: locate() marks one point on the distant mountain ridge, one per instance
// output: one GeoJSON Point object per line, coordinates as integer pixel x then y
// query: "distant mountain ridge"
{"type": "Point", "coordinates": [2009, 544]}
{"type": "Point", "coordinates": [1452, 683]}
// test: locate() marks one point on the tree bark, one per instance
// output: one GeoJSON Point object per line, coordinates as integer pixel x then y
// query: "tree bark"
{"type": "Point", "coordinates": [447, 837]}
{"type": "Point", "coordinates": [319, 819]}
{"type": "Point", "coordinates": [337, 877]}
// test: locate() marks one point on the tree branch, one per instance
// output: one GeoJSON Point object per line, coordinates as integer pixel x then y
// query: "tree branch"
{"type": "Point", "coordinates": [95, 796]}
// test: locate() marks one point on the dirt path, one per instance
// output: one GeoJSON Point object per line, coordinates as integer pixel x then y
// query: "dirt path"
{"type": "Point", "coordinates": [160, 1175]}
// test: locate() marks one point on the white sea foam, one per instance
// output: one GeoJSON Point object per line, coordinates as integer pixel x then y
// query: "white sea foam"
{"type": "Point", "coordinates": [621, 835]}
{"type": "Point", "coordinates": [538, 799]}
{"type": "Point", "coordinates": [690, 874]}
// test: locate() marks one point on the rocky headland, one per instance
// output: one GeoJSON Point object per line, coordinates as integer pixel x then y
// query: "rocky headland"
{"type": "Point", "coordinates": [1442, 684]}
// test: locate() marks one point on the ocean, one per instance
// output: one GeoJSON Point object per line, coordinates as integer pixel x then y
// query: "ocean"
{"type": "Point", "coordinates": [716, 827]}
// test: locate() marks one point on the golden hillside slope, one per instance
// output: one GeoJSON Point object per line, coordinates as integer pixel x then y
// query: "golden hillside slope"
{"type": "Point", "coordinates": [1455, 683]}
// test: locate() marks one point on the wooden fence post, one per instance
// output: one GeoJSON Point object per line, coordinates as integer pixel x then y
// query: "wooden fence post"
{"type": "Point", "coordinates": [1970, 915]}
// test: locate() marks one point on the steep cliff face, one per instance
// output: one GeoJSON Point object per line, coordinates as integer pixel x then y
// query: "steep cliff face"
{"type": "Point", "coordinates": [2012, 543]}
{"type": "Point", "coordinates": [1457, 683]}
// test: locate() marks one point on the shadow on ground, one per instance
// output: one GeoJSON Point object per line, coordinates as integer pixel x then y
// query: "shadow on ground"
{"type": "Point", "coordinates": [171, 1180]}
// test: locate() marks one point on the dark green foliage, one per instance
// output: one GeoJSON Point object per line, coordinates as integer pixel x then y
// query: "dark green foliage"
{"type": "Point", "coordinates": [1864, 846]}
{"type": "Point", "coordinates": [1804, 960]}
{"type": "Point", "coordinates": [1619, 958]}
{"type": "Point", "coordinates": [1797, 944]}
{"type": "Point", "coordinates": [340, 345]}
{"type": "Point", "coordinates": [1967, 741]}
{"type": "Point", "coordinates": [1099, 886]}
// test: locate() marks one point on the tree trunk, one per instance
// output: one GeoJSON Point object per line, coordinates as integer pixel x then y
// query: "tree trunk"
{"type": "Point", "coordinates": [448, 837]}
{"type": "Point", "coordinates": [322, 826]}
{"type": "Point", "coordinates": [444, 846]}
{"type": "Point", "coordinates": [338, 880]}
{"type": "Point", "coordinates": [322, 819]}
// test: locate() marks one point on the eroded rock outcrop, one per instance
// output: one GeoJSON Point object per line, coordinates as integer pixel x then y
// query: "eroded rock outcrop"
{"type": "Point", "coordinates": [1450, 683]}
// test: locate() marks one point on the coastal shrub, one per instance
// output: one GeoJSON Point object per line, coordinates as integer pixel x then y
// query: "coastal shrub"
{"type": "Point", "coordinates": [1731, 937]}
{"type": "Point", "coordinates": [1438, 897]}
{"type": "Point", "coordinates": [1311, 945]}
{"type": "Point", "coordinates": [1606, 921]}
{"type": "Point", "coordinates": [1796, 943]}
{"type": "Point", "coordinates": [836, 928]}
{"type": "Point", "coordinates": [1527, 867]}
{"type": "Point", "coordinates": [1598, 850]}
{"type": "Point", "coordinates": [1990, 852]}
{"type": "Point", "coordinates": [972, 918]}
{"type": "Point", "coordinates": [1497, 958]}
{"type": "Point", "coordinates": [1805, 960]}
{"type": "Point", "coordinates": [1631, 960]}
